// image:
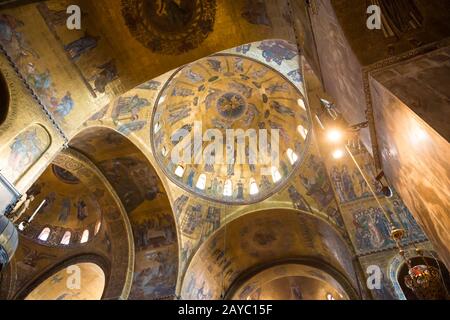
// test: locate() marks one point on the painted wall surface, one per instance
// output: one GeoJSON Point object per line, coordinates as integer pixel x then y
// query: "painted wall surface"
{"type": "Point", "coordinates": [305, 33]}
{"type": "Point", "coordinates": [43, 64]}
{"type": "Point", "coordinates": [23, 152]}
{"type": "Point", "coordinates": [415, 158]}
{"type": "Point", "coordinates": [423, 85]}
{"type": "Point", "coordinates": [407, 24]}
{"type": "Point", "coordinates": [340, 69]}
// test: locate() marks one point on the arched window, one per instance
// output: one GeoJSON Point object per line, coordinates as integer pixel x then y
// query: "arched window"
{"type": "Point", "coordinates": [179, 171]}
{"type": "Point", "coordinates": [292, 156]}
{"type": "Point", "coordinates": [302, 131]}
{"type": "Point", "coordinates": [157, 127]}
{"type": "Point", "coordinates": [201, 182]}
{"type": "Point", "coordinates": [66, 238]}
{"type": "Point", "coordinates": [164, 151]}
{"type": "Point", "coordinates": [45, 233]}
{"type": "Point", "coordinates": [85, 236]}
{"type": "Point", "coordinates": [301, 103]}
{"type": "Point", "coordinates": [276, 176]}
{"type": "Point", "coordinates": [228, 188]}
{"type": "Point", "coordinates": [253, 187]}
{"type": "Point", "coordinates": [97, 227]}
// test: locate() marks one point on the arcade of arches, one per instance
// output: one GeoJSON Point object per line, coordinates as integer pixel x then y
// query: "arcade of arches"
{"type": "Point", "coordinates": [117, 167]}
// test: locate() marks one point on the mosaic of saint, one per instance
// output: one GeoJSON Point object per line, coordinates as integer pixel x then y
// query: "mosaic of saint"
{"type": "Point", "coordinates": [58, 102]}
{"type": "Point", "coordinates": [24, 150]}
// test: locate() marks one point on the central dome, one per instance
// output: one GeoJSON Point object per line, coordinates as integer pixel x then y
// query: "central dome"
{"type": "Point", "coordinates": [217, 99]}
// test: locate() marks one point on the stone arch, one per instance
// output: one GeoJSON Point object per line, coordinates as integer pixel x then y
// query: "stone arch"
{"type": "Point", "coordinates": [146, 200]}
{"type": "Point", "coordinates": [250, 286]}
{"type": "Point", "coordinates": [259, 238]}
{"type": "Point", "coordinates": [42, 279]}
{"type": "Point", "coordinates": [111, 242]}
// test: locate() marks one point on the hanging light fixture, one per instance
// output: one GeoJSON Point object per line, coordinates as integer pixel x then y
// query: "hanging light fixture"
{"type": "Point", "coordinates": [422, 279]}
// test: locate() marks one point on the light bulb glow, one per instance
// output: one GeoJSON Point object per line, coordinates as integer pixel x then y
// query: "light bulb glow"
{"type": "Point", "coordinates": [338, 154]}
{"type": "Point", "coordinates": [334, 135]}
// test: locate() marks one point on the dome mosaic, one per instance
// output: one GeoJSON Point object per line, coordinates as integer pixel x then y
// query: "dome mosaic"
{"type": "Point", "coordinates": [68, 210]}
{"type": "Point", "coordinates": [233, 102]}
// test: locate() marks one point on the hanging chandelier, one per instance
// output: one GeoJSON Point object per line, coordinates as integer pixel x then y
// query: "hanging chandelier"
{"type": "Point", "coordinates": [424, 280]}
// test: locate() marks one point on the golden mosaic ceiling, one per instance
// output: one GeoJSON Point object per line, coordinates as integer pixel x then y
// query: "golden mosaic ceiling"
{"type": "Point", "coordinates": [71, 213]}
{"type": "Point", "coordinates": [225, 92]}
{"type": "Point", "coordinates": [290, 282]}
{"type": "Point", "coordinates": [294, 288]}
{"type": "Point", "coordinates": [55, 287]}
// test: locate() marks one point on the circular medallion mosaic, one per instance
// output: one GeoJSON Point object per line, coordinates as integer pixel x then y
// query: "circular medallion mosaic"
{"type": "Point", "coordinates": [169, 26]}
{"type": "Point", "coordinates": [231, 105]}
